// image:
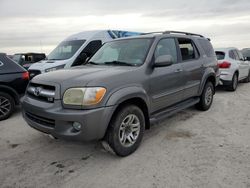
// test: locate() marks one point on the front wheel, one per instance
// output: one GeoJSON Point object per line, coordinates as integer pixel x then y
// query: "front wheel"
{"type": "Point", "coordinates": [206, 98]}
{"type": "Point", "coordinates": [126, 130]}
{"type": "Point", "coordinates": [248, 78]}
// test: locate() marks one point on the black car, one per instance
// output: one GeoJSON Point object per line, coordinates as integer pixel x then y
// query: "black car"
{"type": "Point", "coordinates": [27, 59]}
{"type": "Point", "coordinates": [13, 82]}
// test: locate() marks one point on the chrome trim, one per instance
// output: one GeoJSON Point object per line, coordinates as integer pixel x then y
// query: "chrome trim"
{"type": "Point", "coordinates": [42, 92]}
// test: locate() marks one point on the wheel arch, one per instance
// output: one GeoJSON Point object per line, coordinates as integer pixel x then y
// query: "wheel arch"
{"type": "Point", "coordinates": [11, 92]}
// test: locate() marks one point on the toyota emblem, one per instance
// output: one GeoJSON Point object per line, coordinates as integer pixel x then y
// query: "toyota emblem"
{"type": "Point", "coordinates": [37, 91]}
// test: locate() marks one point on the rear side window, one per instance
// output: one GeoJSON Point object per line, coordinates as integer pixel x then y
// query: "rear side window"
{"type": "Point", "coordinates": [231, 54]}
{"type": "Point", "coordinates": [207, 47]}
{"type": "Point", "coordinates": [220, 55]}
{"type": "Point", "coordinates": [236, 55]}
{"type": "Point", "coordinates": [188, 49]}
{"type": "Point", "coordinates": [166, 47]}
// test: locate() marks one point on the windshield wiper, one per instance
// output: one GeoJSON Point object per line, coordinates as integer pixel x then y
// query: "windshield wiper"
{"type": "Point", "coordinates": [118, 63]}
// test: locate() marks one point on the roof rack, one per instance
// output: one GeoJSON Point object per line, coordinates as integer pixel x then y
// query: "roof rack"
{"type": "Point", "coordinates": [173, 32]}
{"type": "Point", "coordinates": [184, 33]}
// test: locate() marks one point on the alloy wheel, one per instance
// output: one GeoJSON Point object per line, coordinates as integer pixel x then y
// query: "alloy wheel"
{"type": "Point", "coordinates": [5, 106]}
{"type": "Point", "coordinates": [129, 130]}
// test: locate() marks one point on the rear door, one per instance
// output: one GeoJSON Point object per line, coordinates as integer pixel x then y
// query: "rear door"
{"type": "Point", "coordinates": [244, 64]}
{"type": "Point", "coordinates": [192, 66]}
{"type": "Point", "coordinates": [166, 83]}
{"type": "Point", "coordinates": [243, 68]}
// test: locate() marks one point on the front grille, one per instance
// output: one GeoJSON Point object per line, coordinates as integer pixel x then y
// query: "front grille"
{"type": "Point", "coordinates": [34, 73]}
{"type": "Point", "coordinates": [41, 120]}
{"type": "Point", "coordinates": [40, 92]}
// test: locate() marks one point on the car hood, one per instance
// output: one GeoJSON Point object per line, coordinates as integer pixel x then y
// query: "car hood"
{"type": "Point", "coordinates": [46, 64]}
{"type": "Point", "coordinates": [83, 75]}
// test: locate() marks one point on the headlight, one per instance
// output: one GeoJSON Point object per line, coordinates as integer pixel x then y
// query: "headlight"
{"type": "Point", "coordinates": [83, 96]}
{"type": "Point", "coordinates": [55, 68]}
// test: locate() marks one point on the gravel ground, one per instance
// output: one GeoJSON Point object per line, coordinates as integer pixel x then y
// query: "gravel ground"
{"type": "Point", "coordinates": [189, 149]}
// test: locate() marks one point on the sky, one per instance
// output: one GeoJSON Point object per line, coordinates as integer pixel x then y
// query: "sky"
{"type": "Point", "coordinates": [39, 25]}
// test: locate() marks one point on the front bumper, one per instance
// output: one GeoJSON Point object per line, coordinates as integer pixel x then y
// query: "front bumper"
{"type": "Point", "coordinates": [51, 118]}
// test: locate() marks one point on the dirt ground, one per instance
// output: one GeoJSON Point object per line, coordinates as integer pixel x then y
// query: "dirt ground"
{"type": "Point", "coordinates": [190, 149]}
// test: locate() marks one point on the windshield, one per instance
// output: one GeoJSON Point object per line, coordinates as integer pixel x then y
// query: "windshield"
{"type": "Point", "coordinates": [130, 52]}
{"type": "Point", "coordinates": [220, 55]}
{"type": "Point", "coordinates": [65, 50]}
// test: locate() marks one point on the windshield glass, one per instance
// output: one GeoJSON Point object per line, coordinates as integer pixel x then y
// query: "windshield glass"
{"type": "Point", "coordinates": [130, 52]}
{"type": "Point", "coordinates": [220, 55]}
{"type": "Point", "coordinates": [65, 50]}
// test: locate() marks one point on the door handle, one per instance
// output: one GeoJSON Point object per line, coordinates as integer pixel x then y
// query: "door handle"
{"type": "Point", "coordinates": [178, 70]}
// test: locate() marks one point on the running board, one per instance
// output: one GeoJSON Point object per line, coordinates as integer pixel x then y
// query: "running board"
{"type": "Point", "coordinates": [173, 109]}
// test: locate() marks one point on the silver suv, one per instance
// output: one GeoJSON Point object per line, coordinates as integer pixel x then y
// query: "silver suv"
{"type": "Point", "coordinates": [126, 86]}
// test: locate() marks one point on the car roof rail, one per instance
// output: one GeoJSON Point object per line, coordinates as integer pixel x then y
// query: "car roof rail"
{"type": "Point", "coordinates": [155, 32]}
{"type": "Point", "coordinates": [184, 33]}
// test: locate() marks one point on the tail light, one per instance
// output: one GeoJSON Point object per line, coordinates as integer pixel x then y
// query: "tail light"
{"type": "Point", "coordinates": [225, 65]}
{"type": "Point", "coordinates": [26, 76]}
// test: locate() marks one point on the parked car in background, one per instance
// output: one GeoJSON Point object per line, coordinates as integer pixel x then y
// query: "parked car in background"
{"type": "Point", "coordinates": [128, 84]}
{"type": "Point", "coordinates": [27, 59]}
{"type": "Point", "coordinates": [233, 67]}
{"type": "Point", "coordinates": [13, 82]}
{"type": "Point", "coordinates": [246, 53]}
{"type": "Point", "coordinates": [76, 49]}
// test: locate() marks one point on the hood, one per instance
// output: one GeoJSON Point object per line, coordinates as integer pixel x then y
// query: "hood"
{"type": "Point", "coordinates": [82, 75]}
{"type": "Point", "coordinates": [46, 64]}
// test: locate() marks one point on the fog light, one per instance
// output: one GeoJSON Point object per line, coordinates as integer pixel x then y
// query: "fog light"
{"type": "Point", "coordinates": [77, 126]}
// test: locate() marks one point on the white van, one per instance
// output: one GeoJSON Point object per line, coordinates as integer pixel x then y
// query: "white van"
{"type": "Point", "coordinates": [76, 49]}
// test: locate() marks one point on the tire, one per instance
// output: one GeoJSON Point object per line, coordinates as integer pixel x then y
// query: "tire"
{"type": "Point", "coordinates": [7, 106]}
{"type": "Point", "coordinates": [206, 98]}
{"type": "Point", "coordinates": [234, 84]}
{"type": "Point", "coordinates": [119, 137]}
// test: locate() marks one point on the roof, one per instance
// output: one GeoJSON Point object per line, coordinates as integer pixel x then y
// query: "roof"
{"type": "Point", "coordinates": [226, 49]}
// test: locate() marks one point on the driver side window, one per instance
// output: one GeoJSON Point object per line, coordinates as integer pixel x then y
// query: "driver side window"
{"type": "Point", "coordinates": [166, 47]}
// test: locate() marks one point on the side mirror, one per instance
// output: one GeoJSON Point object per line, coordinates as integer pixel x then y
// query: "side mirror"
{"type": "Point", "coordinates": [164, 61]}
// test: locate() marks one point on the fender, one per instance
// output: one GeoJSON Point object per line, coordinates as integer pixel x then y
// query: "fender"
{"type": "Point", "coordinates": [10, 91]}
{"type": "Point", "coordinates": [206, 75]}
{"type": "Point", "coordinates": [127, 93]}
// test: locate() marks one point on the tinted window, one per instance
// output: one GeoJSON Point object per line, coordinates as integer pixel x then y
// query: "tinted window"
{"type": "Point", "coordinates": [122, 52]}
{"type": "Point", "coordinates": [231, 55]}
{"type": "Point", "coordinates": [220, 55]}
{"type": "Point", "coordinates": [65, 50]}
{"type": "Point", "coordinates": [207, 47]}
{"type": "Point", "coordinates": [166, 47]}
{"type": "Point", "coordinates": [188, 49]}
{"type": "Point", "coordinates": [92, 47]}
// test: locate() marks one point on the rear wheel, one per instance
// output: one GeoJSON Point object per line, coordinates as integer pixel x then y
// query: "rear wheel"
{"type": "Point", "coordinates": [206, 98]}
{"type": "Point", "coordinates": [6, 105]}
{"type": "Point", "coordinates": [234, 84]}
{"type": "Point", "coordinates": [125, 131]}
